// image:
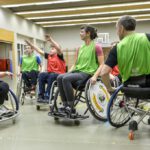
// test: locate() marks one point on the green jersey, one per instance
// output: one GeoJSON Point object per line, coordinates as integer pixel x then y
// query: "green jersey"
{"type": "Point", "coordinates": [133, 56]}
{"type": "Point", "coordinates": [87, 59]}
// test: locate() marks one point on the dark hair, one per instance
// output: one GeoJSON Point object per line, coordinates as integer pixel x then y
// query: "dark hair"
{"type": "Point", "coordinates": [128, 22]}
{"type": "Point", "coordinates": [92, 30]}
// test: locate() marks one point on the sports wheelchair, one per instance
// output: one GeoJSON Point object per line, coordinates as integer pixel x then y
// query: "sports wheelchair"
{"type": "Point", "coordinates": [23, 91]}
{"type": "Point", "coordinates": [129, 103]}
{"type": "Point", "coordinates": [11, 106]}
{"type": "Point", "coordinates": [91, 97]}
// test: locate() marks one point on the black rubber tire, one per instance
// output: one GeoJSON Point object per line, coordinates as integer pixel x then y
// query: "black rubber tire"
{"type": "Point", "coordinates": [111, 106]}
{"type": "Point", "coordinates": [37, 107]}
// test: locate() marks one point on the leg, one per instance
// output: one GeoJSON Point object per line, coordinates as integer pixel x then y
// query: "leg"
{"type": "Point", "coordinates": [33, 75]}
{"type": "Point", "coordinates": [61, 89]}
{"type": "Point", "coordinates": [51, 78]}
{"type": "Point", "coordinates": [68, 81]}
{"type": "Point", "coordinates": [4, 88]}
{"type": "Point", "coordinates": [25, 77]}
{"type": "Point", "coordinates": [42, 80]}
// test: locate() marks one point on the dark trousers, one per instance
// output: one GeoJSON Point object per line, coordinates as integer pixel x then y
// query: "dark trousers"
{"type": "Point", "coordinates": [4, 88]}
{"type": "Point", "coordinates": [30, 78]}
{"type": "Point", "coordinates": [46, 78]}
{"type": "Point", "coordinates": [65, 84]}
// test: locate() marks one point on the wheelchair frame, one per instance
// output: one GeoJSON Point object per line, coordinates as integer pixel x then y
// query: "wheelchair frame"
{"type": "Point", "coordinates": [123, 107]}
{"type": "Point", "coordinates": [78, 95]}
{"type": "Point", "coordinates": [21, 93]}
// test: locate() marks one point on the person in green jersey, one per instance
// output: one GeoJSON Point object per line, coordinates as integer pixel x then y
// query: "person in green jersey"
{"type": "Point", "coordinates": [30, 65]}
{"type": "Point", "coordinates": [87, 65]}
{"type": "Point", "coordinates": [131, 54]}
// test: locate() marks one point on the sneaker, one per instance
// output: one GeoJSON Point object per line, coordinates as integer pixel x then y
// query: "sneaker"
{"type": "Point", "coordinates": [32, 92]}
{"type": "Point", "coordinates": [40, 99]}
{"type": "Point", "coordinates": [46, 99]}
{"type": "Point", "coordinates": [4, 111]}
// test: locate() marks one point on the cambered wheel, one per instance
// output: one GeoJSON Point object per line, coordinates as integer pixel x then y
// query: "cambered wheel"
{"type": "Point", "coordinates": [118, 112]}
{"type": "Point", "coordinates": [97, 98]}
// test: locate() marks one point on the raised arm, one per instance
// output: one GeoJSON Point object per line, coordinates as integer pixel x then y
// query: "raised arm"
{"type": "Point", "coordinates": [54, 43]}
{"type": "Point", "coordinates": [38, 50]}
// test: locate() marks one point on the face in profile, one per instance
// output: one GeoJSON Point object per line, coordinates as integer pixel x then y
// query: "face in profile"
{"type": "Point", "coordinates": [83, 34]}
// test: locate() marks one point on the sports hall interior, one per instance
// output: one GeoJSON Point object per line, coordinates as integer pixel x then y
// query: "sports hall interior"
{"type": "Point", "coordinates": [22, 20]}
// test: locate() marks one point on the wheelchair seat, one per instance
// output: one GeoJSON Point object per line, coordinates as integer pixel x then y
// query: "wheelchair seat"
{"type": "Point", "coordinates": [136, 92]}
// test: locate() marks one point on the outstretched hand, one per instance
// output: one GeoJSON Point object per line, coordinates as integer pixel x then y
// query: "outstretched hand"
{"type": "Point", "coordinates": [48, 37]}
{"type": "Point", "coordinates": [9, 74]}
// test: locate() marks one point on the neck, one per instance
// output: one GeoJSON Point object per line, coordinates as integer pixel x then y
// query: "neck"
{"type": "Point", "coordinates": [87, 41]}
{"type": "Point", "coordinates": [128, 33]}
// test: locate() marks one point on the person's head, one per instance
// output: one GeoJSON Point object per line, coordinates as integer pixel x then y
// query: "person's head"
{"type": "Point", "coordinates": [125, 24]}
{"type": "Point", "coordinates": [28, 49]}
{"type": "Point", "coordinates": [88, 32]}
{"type": "Point", "coordinates": [53, 50]}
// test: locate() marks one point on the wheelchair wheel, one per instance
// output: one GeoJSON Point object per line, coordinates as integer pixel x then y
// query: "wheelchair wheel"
{"type": "Point", "coordinates": [57, 101]}
{"type": "Point", "coordinates": [97, 99]}
{"type": "Point", "coordinates": [12, 107]}
{"type": "Point", "coordinates": [118, 111]}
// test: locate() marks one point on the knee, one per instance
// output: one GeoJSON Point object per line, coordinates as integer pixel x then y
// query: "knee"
{"type": "Point", "coordinates": [4, 87]}
{"type": "Point", "coordinates": [60, 77]}
{"type": "Point", "coordinates": [65, 79]}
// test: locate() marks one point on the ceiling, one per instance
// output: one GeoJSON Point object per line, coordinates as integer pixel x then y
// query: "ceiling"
{"type": "Point", "coordinates": [57, 13]}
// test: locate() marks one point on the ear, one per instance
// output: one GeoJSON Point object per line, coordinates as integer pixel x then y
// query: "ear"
{"type": "Point", "coordinates": [88, 33]}
{"type": "Point", "coordinates": [122, 29]}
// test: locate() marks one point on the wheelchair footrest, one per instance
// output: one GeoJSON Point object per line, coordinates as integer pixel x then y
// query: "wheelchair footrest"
{"type": "Point", "coordinates": [66, 116]}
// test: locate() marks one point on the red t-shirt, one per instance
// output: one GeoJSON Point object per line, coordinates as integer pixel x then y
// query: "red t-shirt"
{"type": "Point", "coordinates": [55, 63]}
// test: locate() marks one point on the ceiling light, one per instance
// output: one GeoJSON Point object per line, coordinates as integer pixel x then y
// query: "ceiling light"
{"type": "Point", "coordinates": [89, 19]}
{"type": "Point", "coordinates": [41, 3]}
{"type": "Point", "coordinates": [77, 24]}
{"type": "Point", "coordinates": [82, 8]}
{"type": "Point", "coordinates": [89, 14]}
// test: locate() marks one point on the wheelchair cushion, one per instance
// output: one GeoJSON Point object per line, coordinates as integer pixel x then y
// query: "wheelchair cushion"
{"type": "Point", "coordinates": [136, 92]}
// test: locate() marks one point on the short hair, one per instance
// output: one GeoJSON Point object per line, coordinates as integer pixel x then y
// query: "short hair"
{"type": "Point", "coordinates": [92, 30]}
{"type": "Point", "coordinates": [128, 22]}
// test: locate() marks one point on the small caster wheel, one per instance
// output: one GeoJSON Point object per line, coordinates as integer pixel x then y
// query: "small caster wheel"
{"type": "Point", "coordinates": [131, 135]}
{"type": "Point", "coordinates": [133, 126]}
{"type": "Point", "coordinates": [77, 122]}
{"type": "Point", "coordinates": [56, 119]}
{"type": "Point", "coordinates": [22, 103]}
{"type": "Point", "coordinates": [37, 107]}
{"type": "Point", "coordinates": [148, 121]}
{"type": "Point", "coordinates": [14, 121]}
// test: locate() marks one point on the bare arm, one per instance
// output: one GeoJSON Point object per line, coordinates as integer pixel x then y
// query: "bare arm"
{"type": "Point", "coordinates": [101, 63]}
{"type": "Point", "coordinates": [54, 43]}
{"type": "Point", "coordinates": [41, 52]}
{"type": "Point", "coordinates": [76, 56]}
{"type": "Point", "coordinates": [105, 77]}
{"type": "Point", "coordinates": [6, 73]}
